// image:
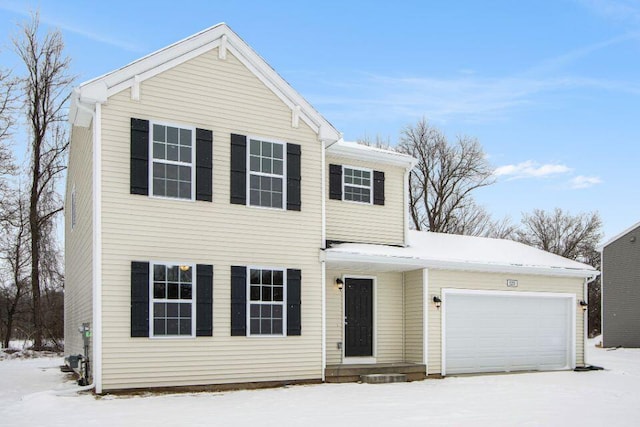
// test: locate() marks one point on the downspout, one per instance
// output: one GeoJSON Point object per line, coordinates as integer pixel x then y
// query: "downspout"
{"type": "Point", "coordinates": [425, 319]}
{"type": "Point", "coordinates": [323, 264]}
{"type": "Point", "coordinates": [406, 205]}
{"type": "Point", "coordinates": [96, 361]}
{"type": "Point", "coordinates": [97, 248]}
{"type": "Point", "coordinates": [404, 317]}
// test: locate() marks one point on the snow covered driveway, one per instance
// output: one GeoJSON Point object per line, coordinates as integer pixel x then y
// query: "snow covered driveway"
{"type": "Point", "coordinates": [610, 397]}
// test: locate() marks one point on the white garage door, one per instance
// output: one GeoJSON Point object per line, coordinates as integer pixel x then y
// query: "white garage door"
{"type": "Point", "coordinates": [491, 331]}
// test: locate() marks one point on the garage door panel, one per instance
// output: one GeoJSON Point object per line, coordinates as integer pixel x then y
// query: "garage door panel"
{"type": "Point", "coordinates": [506, 331]}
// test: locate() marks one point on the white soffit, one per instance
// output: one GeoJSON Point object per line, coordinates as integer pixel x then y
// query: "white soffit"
{"type": "Point", "coordinates": [98, 90]}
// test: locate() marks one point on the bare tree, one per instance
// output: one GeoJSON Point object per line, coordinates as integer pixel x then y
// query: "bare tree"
{"type": "Point", "coordinates": [14, 250]}
{"type": "Point", "coordinates": [378, 142]}
{"type": "Point", "coordinates": [571, 236]}
{"type": "Point", "coordinates": [474, 220]}
{"type": "Point", "coordinates": [7, 166]}
{"type": "Point", "coordinates": [441, 184]}
{"type": "Point", "coordinates": [46, 88]}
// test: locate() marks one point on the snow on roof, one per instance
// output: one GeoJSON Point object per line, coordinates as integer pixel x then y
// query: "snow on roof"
{"type": "Point", "coordinates": [450, 251]}
{"type": "Point", "coordinates": [358, 151]}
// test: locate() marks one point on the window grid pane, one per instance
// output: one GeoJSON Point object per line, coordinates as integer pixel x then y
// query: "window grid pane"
{"type": "Point", "coordinates": [357, 185]}
{"type": "Point", "coordinates": [266, 305]}
{"type": "Point", "coordinates": [172, 300]}
{"type": "Point", "coordinates": [172, 162]}
{"type": "Point", "coordinates": [266, 173]}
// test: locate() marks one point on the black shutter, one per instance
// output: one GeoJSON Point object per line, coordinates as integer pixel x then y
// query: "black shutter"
{"type": "Point", "coordinates": [294, 281]}
{"type": "Point", "coordinates": [238, 169]}
{"type": "Point", "coordinates": [238, 300]}
{"type": "Point", "coordinates": [335, 182]}
{"type": "Point", "coordinates": [204, 164]}
{"type": "Point", "coordinates": [378, 188]}
{"type": "Point", "coordinates": [139, 299]}
{"type": "Point", "coordinates": [293, 177]}
{"type": "Point", "coordinates": [139, 175]}
{"type": "Point", "coordinates": [204, 300]}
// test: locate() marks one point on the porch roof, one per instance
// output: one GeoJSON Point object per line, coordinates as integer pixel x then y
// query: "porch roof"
{"type": "Point", "coordinates": [455, 252]}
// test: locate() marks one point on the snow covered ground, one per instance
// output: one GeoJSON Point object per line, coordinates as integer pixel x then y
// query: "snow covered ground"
{"type": "Point", "coordinates": [29, 396]}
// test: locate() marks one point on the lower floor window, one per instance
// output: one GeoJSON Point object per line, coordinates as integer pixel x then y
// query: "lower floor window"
{"type": "Point", "coordinates": [266, 306]}
{"type": "Point", "coordinates": [172, 302]}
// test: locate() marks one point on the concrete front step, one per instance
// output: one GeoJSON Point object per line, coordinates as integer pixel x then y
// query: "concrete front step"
{"type": "Point", "coordinates": [352, 373]}
{"type": "Point", "coordinates": [383, 378]}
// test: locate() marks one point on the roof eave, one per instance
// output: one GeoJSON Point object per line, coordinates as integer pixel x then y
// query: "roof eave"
{"type": "Point", "coordinates": [600, 248]}
{"type": "Point", "coordinates": [457, 265]}
{"type": "Point", "coordinates": [356, 153]}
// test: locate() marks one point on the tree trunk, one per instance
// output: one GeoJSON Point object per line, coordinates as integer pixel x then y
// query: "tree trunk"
{"type": "Point", "coordinates": [34, 228]}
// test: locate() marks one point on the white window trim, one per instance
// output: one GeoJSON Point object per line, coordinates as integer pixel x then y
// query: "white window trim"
{"type": "Point", "coordinates": [193, 301]}
{"type": "Point", "coordinates": [249, 302]}
{"type": "Point", "coordinates": [370, 187]}
{"type": "Point", "coordinates": [374, 345]}
{"type": "Point", "coordinates": [74, 208]}
{"type": "Point", "coordinates": [172, 162]}
{"type": "Point", "coordinates": [271, 175]}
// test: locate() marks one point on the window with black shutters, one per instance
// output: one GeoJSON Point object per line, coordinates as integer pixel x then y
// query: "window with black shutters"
{"type": "Point", "coordinates": [172, 161]}
{"type": "Point", "coordinates": [266, 301]}
{"type": "Point", "coordinates": [265, 173]}
{"type": "Point", "coordinates": [171, 299]}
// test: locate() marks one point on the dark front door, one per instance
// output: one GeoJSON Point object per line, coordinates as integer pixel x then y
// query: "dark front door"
{"type": "Point", "coordinates": [358, 317]}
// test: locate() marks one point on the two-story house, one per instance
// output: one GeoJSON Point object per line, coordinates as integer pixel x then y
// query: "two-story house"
{"type": "Point", "coordinates": [219, 231]}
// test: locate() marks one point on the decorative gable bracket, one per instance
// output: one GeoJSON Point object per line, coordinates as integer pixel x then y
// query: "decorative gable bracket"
{"type": "Point", "coordinates": [295, 117]}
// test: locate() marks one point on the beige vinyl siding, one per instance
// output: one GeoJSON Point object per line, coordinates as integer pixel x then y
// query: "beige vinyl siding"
{"type": "Point", "coordinates": [78, 288]}
{"type": "Point", "coordinates": [439, 279]}
{"type": "Point", "coordinates": [335, 319]}
{"type": "Point", "coordinates": [414, 316]}
{"type": "Point", "coordinates": [388, 316]}
{"type": "Point", "coordinates": [223, 96]}
{"type": "Point", "coordinates": [367, 223]}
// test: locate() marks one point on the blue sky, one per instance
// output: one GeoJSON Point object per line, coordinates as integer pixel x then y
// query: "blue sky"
{"type": "Point", "coordinates": [550, 88]}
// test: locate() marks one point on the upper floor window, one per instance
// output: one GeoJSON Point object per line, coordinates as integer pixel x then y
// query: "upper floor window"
{"type": "Point", "coordinates": [357, 184]}
{"type": "Point", "coordinates": [266, 173]}
{"type": "Point", "coordinates": [173, 161]}
{"type": "Point", "coordinates": [172, 303]}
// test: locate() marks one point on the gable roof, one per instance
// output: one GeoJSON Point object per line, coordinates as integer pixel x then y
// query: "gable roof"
{"type": "Point", "coordinates": [457, 252]}
{"type": "Point", "coordinates": [99, 89]}
{"type": "Point", "coordinates": [619, 235]}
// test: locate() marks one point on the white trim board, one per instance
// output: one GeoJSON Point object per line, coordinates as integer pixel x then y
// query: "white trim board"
{"type": "Point", "coordinates": [99, 89]}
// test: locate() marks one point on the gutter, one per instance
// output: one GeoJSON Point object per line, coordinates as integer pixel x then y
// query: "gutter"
{"type": "Point", "coordinates": [416, 263]}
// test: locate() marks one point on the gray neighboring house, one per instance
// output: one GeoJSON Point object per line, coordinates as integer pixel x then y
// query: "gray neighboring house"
{"type": "Point", "coordinates": [621, 289]}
